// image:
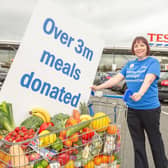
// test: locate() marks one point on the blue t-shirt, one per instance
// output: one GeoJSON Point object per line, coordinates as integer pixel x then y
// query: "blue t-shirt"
{"type": "Point", "coordinates": [134, 72]}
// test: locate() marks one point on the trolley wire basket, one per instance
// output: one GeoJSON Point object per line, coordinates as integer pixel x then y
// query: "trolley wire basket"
{"type": "Point", "coordinates": [91, 142]}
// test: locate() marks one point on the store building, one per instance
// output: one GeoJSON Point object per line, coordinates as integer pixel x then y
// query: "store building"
{"type": "Point", "coordinates": [8, 51]}
{"type": "Point", "coordinates": [113, 58]}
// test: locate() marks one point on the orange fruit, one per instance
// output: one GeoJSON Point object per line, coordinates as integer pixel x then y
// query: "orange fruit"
{"type": "Point", "coordinates": [112, 129]}
{"type": "Point", "coordinates": [90, 164]}
{"type": "Point", "coordinates": [67, 143]}
{"type": "Point", "coordinates": [105, 159]}
{"type": "Point", "coordinates": [111, 158]}
{"type": "Point", "coordinates": [97, 160]}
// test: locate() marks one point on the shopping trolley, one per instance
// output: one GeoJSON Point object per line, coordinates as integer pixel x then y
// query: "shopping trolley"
{"type": "Point", "coordinates": [115, 107]}
{"type": "Point", "coordinates": [93, 142]}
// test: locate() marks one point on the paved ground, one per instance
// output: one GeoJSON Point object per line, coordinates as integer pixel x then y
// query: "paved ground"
{"type": "Point", "coordinates": [126, 148]}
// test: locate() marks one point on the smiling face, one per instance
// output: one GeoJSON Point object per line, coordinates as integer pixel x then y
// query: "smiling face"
{"type": "Point", "coordinates": [140, 49]}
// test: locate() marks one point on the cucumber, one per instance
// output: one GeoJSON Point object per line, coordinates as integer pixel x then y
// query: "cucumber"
{"type": "Point", "coordinates": [77, 128]}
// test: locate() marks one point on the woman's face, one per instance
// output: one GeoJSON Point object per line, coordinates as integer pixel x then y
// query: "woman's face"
{"type": "Point", "coordinates": [140, 49]}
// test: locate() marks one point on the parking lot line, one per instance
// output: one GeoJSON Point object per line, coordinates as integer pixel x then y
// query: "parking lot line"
{"type": "Point", "coordinates": [163, 112]}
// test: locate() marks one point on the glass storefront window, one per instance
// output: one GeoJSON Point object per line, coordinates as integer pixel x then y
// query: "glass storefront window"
{"type": "Point", "coordinates": [6, 58]}
{"type": "Point", "coordinates": [119, 60]}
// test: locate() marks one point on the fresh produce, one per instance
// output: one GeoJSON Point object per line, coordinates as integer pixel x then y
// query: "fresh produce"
{"type": "Point", "coordinates": [112, 129]}
{"type": "Point", "coordinates": [100, 121]}
{"type": "Point", "coordinates": [78, 143]}
{"type": "Point", "coordinates": [96, 145]}
{"type": "Point", "coordinates": [20, 134]}
{"type": "Point", "coordinates": [57, 145]}
{"type": "Point", "coordinates": [97, 160]}
{"type": "Point", "coordinates": [37, 165]}
{"type": "Point", "coordinates": [62, 134]}
{"type": "Point", "coordinates": [86, 155]}
{"type": "Point", "coordinates": [63, 157]}
{"type": "Point", "coordinates": [105, 158]}
{"type": "Point", "coordinates": [77, 128]}
{"type": "Point", "coordinates": [45, 125]}
{"type": "Point", "coordinates": [87, 133]}
{"type": "Point", "coordinates": [44, 163]}
{"type": "Point", "coordinates": [34, 156]}
{"type": "Point", "coordinates": [6, 116]}
{"type": "Point", "coordinates": [33, 122]}
{"type": "Point", "coordinates": [111, 158]}
{"type": "Point", "coordinates": [59, 121]}
{"type": "Point", "coordinates": [109, 144]}
{"type": "Point", "coordinates": [70, 122]}
{"type": "Point", "coordinates": [76, 115]}
{"type": "Point", "coordinates": [74, 137]}
{"type": "Point", "coordinates": [67, 142]}
{"type": "Point", "coordinates": [18, 157]}
{"type": "Point", "coordinates": [3, 132]}
{"type": "Point", "coordinates": [70, 164]}
{"type": "Point", "coordinates": [41, 164]}
{"type": "Point", "coordinates": [90, 164]}
{"type": "Point", "coordinates": [85, 117]}
{"type": "Point", "coordinates": [83, 108]}
{"type": "Point", "coordinates": [5, 157]}
{"type": "Point", "coordinates": [74, 140]}
{"type": "Point", "coordinates": [47, 140]}
{"type": "Point", "coordinates": [42, 113]}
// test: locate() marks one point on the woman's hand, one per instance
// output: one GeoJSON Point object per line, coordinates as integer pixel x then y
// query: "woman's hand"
{"type": "Point", "coordinates": [136, 96]}
{"type": "Point", "coordinates": [94, 88]}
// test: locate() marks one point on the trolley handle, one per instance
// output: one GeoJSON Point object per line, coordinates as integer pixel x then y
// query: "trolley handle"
{"type": "Point", "coordinates": [125, 97]}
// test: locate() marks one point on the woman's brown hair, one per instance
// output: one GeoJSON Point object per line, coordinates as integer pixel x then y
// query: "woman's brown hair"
{"type": "Point", "coordinates": [144, 40]}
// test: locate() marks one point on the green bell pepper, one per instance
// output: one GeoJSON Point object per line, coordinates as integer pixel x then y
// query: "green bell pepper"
{"type": "Point", "coordinates": [57, 145]}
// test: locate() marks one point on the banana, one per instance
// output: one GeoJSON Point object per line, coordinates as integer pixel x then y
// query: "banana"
{"type": "Point", "coordinates": [39, 115]}
{"type": "Point", "coordinates": [41, 112]}
{"type": "Point", "coordinates": [85, 117]}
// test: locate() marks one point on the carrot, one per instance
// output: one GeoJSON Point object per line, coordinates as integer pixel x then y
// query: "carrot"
{"type": "Point", "coordinates": [70, 122]}
{"type": "Point", "coordinates": [67, 143]}
{"type": "Point", "coordinates": [76, 115]}
{"type": "Point", "coordinates": [74, 137]}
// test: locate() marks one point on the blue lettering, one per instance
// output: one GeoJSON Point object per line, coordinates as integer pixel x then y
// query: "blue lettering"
{"type": "Point", "coordinates": [77, 74]}
{"type": "Point", "coordinates": [61, 94]}
{"type": "Point", "coordinates": [70, 41]}
{"type": "Point", "coordinates": [75, 100]}
{"type": "Point", "coordinates": [57, 34]}
{"type": "Point", "coordinates": [47, 57]}
{"type": "Point", "coordinates": [48, 26]}
{"type": "Point", "coordinates": [54, 92]}
{"type": "Point", "coordinates": [67, 98]}
{"type": "Point", "coordinates": [26, 79]}
{"type": "Point", "coordinates": [66, 68]}
{"type": "Point", "coordinates": [46, 86]}
{"type": "Point", "coordinates": [36, 84]}
{"type": "Point", "coordinates": [64, 38]}
{"type": "Point", "coordinates": [58, 64]}
{"type": "Point", "coordinates": [80, 45]}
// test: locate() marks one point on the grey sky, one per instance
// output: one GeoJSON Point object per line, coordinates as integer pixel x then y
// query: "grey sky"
{"type": "Point", "coordinates": [117, 21]}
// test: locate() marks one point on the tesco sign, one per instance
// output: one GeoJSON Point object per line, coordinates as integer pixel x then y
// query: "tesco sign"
{"type": "Point", "coordinates": [162, 38]}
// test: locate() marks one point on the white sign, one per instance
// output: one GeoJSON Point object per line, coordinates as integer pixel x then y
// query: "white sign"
{"type": "Point", "coordinates": [55, 64]}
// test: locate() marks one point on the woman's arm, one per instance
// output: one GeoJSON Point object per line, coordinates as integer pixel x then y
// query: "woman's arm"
{"type": "Point", "coordinates": [149, 78]}
{"type": "Point", "coordinates": [111, 82]}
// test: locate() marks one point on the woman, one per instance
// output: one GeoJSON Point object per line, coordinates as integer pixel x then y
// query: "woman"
{"type": "Point", "coordinates": [144, 110]}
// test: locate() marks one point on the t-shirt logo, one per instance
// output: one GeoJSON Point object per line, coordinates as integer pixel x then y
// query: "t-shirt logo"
{"type": "Point", "coordinates": [132, 65]}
